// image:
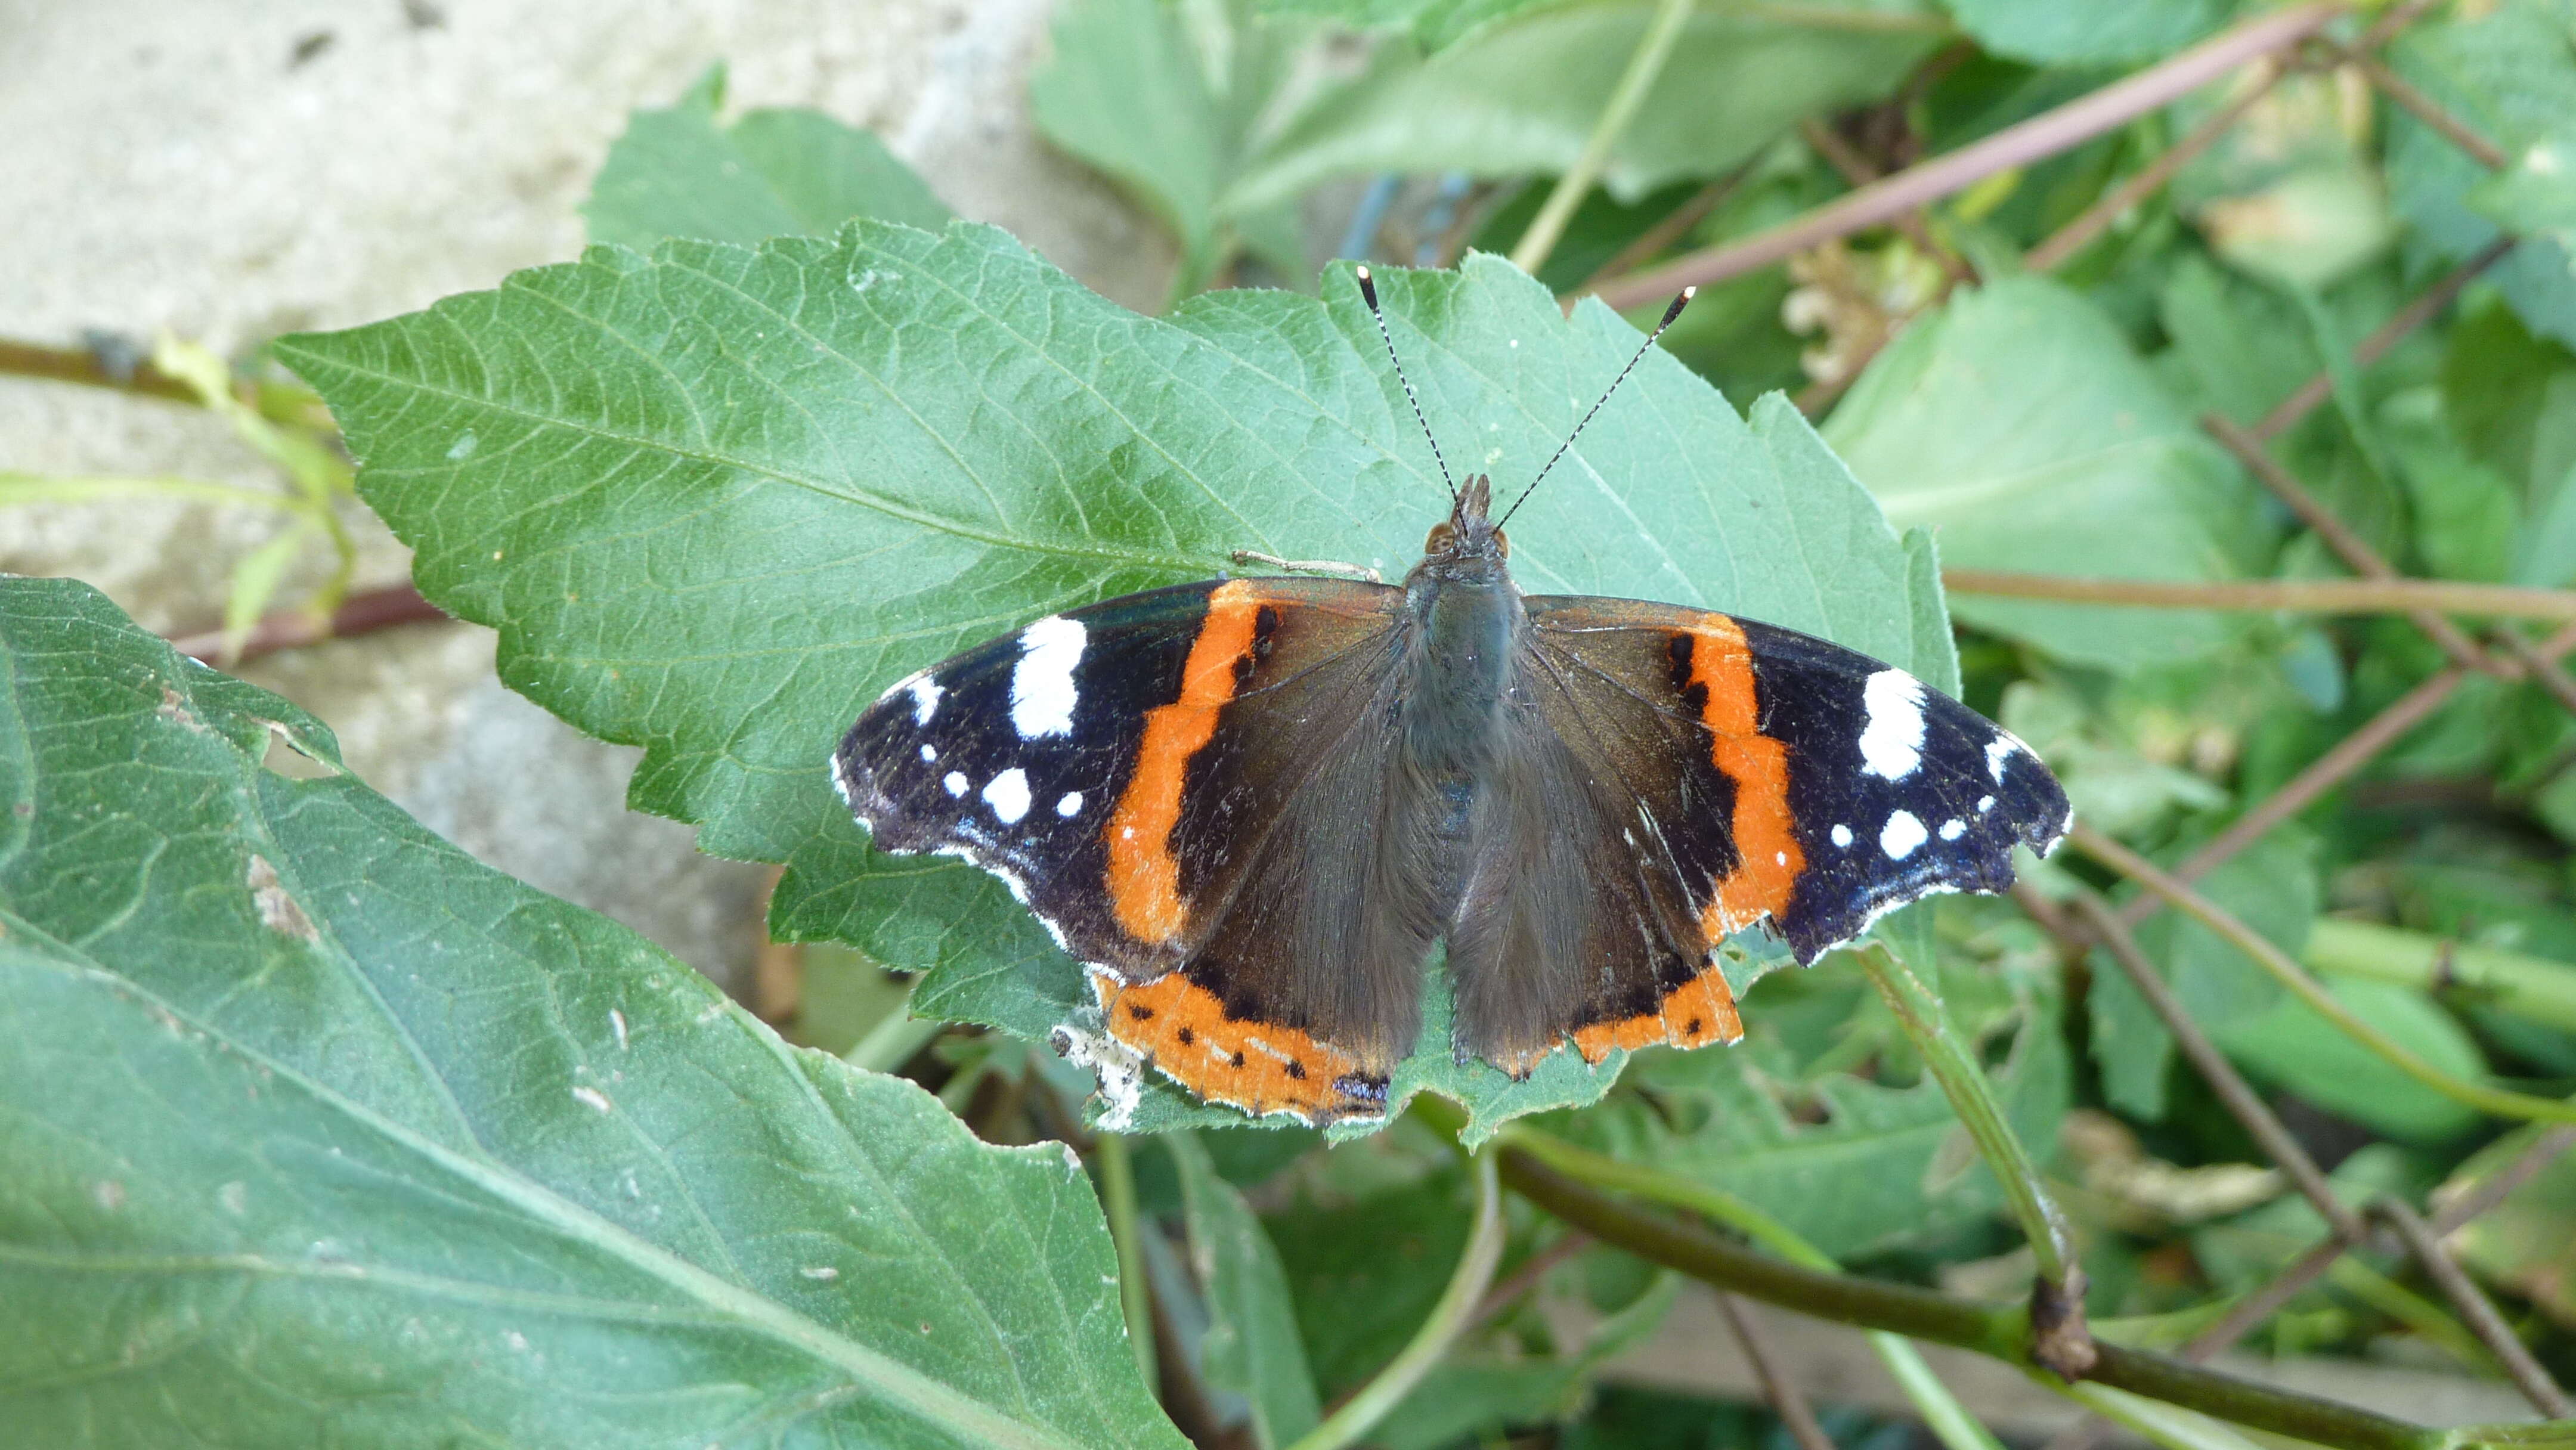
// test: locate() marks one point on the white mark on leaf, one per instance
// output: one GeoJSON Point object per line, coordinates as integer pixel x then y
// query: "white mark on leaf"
{"type": "Point", "coordinates": [594, 1099]}
{"type": "Point", "coordinates": [277, 910]}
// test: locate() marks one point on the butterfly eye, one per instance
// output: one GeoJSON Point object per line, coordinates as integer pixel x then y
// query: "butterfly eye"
{"type": "Point", "coordinates": [1502, 544]}
{"type": "Point", "coordinates": [1440, 539]}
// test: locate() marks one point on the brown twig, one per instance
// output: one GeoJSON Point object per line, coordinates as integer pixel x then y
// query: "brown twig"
{"type": "Point", "coordinates": [2042, 136]}
{"type": "Point", "coordinates": [2355, 551]}
{"type": "Point", "coordinates": [2423, 107]}
{"type": "Point", "coordinates": [1525, 1278]}
{"type": "Point", "coordinates": [84, 366]}
{"type": "Point", "coordinates": [2380, 343]}
{"type": "Point", "coordinates": [1856, 170]}
{"type": "Point", "coordinates": [1671, 228]}
{"type": "Point", "coordinates": [2233, 1092]}
{"type": "Point", "coordinates": [2096, 219]}
{"type": "Point", "coordinates": [2383, 595]}
{"type": "Point", "coordinates": [2475, 1311]}
{"type": "Point", "coordinates": [361, 613]}
{"type": "Point", "coordinates": [1796, 1415]}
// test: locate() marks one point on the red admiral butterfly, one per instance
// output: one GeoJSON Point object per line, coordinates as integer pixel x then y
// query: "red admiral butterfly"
{"type": "Point", "coordinates": [1252, 806]}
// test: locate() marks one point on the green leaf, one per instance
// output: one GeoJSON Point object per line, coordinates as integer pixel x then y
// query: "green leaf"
{"type": "Point", "coordinates": [1251, 1347]}
{"type": "Point", "coordinates": [677, 173]}
{"type": "Point", "coordinates": [2050, 32]}
{"type": "Point", "coordinates": [2271, 886]}
{"type": "Point", "coordinates": [717, 500]}
{"type": "Point", "coordinates": [1431, 23]}
{"type": "Point", "coordinates": [2295, 1049]}
{"type": "Point", "coordinates": [1859, 1167]}
{"type": "Point", "coordinates": [1365, 1272]}
{"type": "Point", "coordinates": [318, 1130]}
{"type": "Point", "coordinates": [2507, 73]}
{"type": "Point", "coordinates": [2467, 517]}
{"type": "Point", "coordinates": [1523, 97]}
{"type": "Point", "coordinates": [2527, 1243]}
{"type": "Point", "coordinates": [2017, 423]}
{"type": "Point", "coordinates": [1173, 101]}
{"type": "Point", "coordinates": [2535, 195]}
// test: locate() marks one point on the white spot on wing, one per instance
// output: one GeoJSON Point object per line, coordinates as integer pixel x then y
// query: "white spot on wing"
{"type": "Point", "coordinates": [925, 698]}
{"type": "Point", "coordinates": [1985, 803]}
{"type": "Point", "coordinates": [1953, 828]}
{"type": "Point", "coordinates": [1891, 742]}
{"type": "Point", "coordinates": [929, 753]}
{"type": "Point", "coordinates": [1780, 858]}
{"type": "Point", "coordinates": [1008, 795]}
{"type": "Point", "coordinates": [1902, 836]}
{"type": "Point", "coordinates": [1999, 750]}
{"type": "Point", "coordinates": [1042, 689]}
{"type": "Point", "coordinates": [955, 780]}
{"type": "Point", "coordinates": [1069, 804]}
{"type": "Point", "coordinates": [1842, 836]}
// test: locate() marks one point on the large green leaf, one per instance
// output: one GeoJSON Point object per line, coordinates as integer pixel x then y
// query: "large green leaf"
{"type": "Point", "coordinates": [2017, 423]}
{"type": "Point", "coordinates": [2292, 1046]}
{"type": "Point", "coordinates": [716, 500]}
{"type": "Point", "coordinates": [1523, 96]}
{"type": "Point", "coordinates": [1431, 23]}
{"type": "Point", "coordinates": [1251, 1347]}
{"type": "Point", "coordinates": [314, 1130]}
{"type": "Point", "coordinates": [1173, 101]}
{"type": "Point", "coordinates": [2051, 32]}
{"type": "Point", "coordinates": [1218, 114]}
{"type": "Point", "coordinates": [677, 173]}
{"type": "Point", "coordinates": [2507, 72]}
{"type": "Point", "coordinates": [1859, 1167]}
{"type": "Point", "coordinates": [2272, 887]}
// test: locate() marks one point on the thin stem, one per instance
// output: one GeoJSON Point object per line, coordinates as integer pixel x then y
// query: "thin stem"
{"type": "Point", "coordinates": [1674, 225]}
{"type": "Point", "coordinates": [2272, 959]}
{"type": "Point", "coordinates": [1948, 1419]}
{"type": "Point", "coordinates": [1431, 1342]}
{"type": "Point", "coordinates": [1644, 65]}
{"type": "Point", "coordinates": [25, 488]}
{"type": "Point", "coordinates": [2380, 343]}
{"type": "Point", "coordinates": [1796, 1415]}
{"type": "Point", "coordinates": [896, 1039]}
{"type": "Point", "coordinates": [2003, 1334]}
{"type": "Point", "coordinates": [2338, 536]}
{"type": "Point", "coordinates": [2042, 136]}
{"type": "Point", "coordinates": [2061, 1341]}
{"type": "Point", "coordinates": [1135, 1294]}
{"type": "Point", "coordinates": [2234, 1093]}
{"type": "Point", "coordinates": [2075, 236]}
{"type": "Point", "coordinates": [2475, 1311]}
{"type": "Point", "coordinates": [2532, 988]}
{"type": "Point", "coordinates": [2302, 596]}
{"type": "Point", "coordinates": [361, 613]}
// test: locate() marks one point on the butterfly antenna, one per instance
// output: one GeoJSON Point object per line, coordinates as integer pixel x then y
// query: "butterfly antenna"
{"type": "Point", "coordinates": [1642, 349]}
{"type": "Point", "coordinates": [1368, 289]}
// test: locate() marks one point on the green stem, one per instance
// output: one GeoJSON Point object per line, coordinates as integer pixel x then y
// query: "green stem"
{"type": "Point", "coordinates": [1448, 1319]}
{"type": "Point", "coordinates": [1135, 1302]}
{"type": "Point", "coordinates": [2003, 1334]}
{"type": "Point", "coordinates": [20, 488]}
{"type": "Point", "coordinates": [894, 1040]}
{"type": "Point", "coordinates": [1918, 1008]}
{"type": "Point", "coordinates": [1644, 65]}
{"type": "Point", "coordinates": [2272, 959]}
{"type": "Point", "coordinates": [2532, 988]}
{"type": "Point", "coordinates": [2159, 1424]}
{"type": "Point", "coordinates": [1948, 1419]}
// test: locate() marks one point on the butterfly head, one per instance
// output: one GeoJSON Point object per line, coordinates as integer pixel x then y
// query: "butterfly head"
{"type": "Point", "coordinates": [1468, 546]}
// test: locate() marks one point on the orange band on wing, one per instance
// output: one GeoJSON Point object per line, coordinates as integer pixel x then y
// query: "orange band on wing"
{"type": "Point", "coordinates": [1182, 1027]}
{"type": "Point", "coordinates": [1766, 844]}
{"type": "Point", "coordinates": [1694, 1014]}
{"type": "Point", "coordinates": [1144, 875]}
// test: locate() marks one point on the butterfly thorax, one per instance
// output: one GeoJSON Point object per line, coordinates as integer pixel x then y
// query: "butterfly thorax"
{"type": "Point", "coordinates": [1466, 618]}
